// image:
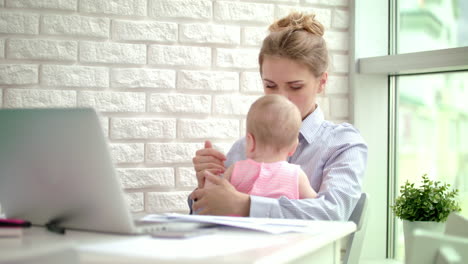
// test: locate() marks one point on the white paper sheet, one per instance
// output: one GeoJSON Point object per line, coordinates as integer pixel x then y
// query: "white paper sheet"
{"type": "Point", "coordinates": [269, 225]}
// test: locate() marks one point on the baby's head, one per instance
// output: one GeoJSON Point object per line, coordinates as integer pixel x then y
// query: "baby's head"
{"type": "Point", "coordinates": [274, 122]}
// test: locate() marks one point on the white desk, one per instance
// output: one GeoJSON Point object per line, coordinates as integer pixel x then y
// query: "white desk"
{"type": "Point", "coordinates": [225, 246]}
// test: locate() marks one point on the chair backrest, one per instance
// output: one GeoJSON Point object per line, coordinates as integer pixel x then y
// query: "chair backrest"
{"type": "Point", "coordinates": [457, 225]}
{"type": "Point", "coordinates": [432, 247]}
{"type": "Point", "coordinates": [441, 248]}
{"type": "Point", "coordinates": [358, 216]}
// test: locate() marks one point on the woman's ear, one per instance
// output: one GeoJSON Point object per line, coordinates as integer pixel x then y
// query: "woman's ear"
{"type": "Point", "coordinates": [250, 147]}
{"type": "Point", "coordinates": [323, 82]}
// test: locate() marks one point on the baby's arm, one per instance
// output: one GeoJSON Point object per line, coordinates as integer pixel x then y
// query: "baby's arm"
{"type": "Point", "coordinates": [227, 175]}
{"type": "Point", "coordinates": [305, 190]}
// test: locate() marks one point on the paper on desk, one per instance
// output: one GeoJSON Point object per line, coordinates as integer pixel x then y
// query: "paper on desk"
{"type": "Point", "coordinates": [269, 225]}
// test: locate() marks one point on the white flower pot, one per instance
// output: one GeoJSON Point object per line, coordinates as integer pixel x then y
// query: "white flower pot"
{"type": "Point", "coordinates": [409, 227]}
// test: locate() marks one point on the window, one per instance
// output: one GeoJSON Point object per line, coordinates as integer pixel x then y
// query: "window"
{"type": "Point", "coordinates": [432, 124]}
{"type": "Point", "coordinates": [412, 72]}
{"type": "Point", "coordinates": [431, 24]}
{"type": "Point", "coordinates": [431, 115]}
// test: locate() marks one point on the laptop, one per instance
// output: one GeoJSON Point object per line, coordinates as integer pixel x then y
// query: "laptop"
{"type": "Point", "coordinates": [55, 167]}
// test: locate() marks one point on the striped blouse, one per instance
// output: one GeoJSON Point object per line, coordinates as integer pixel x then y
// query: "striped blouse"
{"type": "Point", "coordinates": [334, 157]}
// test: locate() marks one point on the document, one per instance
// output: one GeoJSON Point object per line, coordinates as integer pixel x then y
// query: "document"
{"type": "Point", "coordinates": [268, 225]}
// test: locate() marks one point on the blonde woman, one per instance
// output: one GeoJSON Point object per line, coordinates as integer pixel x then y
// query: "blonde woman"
{"type": "Point", "coordinates": [293, 63]}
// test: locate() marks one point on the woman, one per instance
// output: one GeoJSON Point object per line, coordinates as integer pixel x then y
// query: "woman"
{"type": "Point", "coordinates": [293, 62]}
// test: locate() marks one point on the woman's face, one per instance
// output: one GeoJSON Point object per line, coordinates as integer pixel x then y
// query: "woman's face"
{"type": "Point", "coordinates": [293, 80]}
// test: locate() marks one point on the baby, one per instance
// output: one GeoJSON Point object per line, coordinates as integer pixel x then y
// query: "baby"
{"type": "Point", "coordinates": [273, 124]}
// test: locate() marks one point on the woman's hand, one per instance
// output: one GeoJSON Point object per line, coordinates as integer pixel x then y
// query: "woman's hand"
{"type": "Point", "coordinates": [220, 198]}
{"type": "Point", "coordinates": [208, 159]}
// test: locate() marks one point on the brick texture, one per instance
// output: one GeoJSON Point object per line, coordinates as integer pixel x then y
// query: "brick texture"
{"type": "Point", "coordinates": [208, 80]}
{"type": "Point", "coordinates": [142, 128]}
{"type": "Point", "coordinates": [107, 52]}
{"type": "Point", "coordinates": [143, 78]}
{"type": "Point", "coordinates": [18, 74]}
{"type": "Point", "coordinates": [26, 98]}
{"type": "Point", "coordinates": [164, 75]}
{"type": "Point", "coordinates": [2, 48]}
{"type": "Point", "coordinates": [42, 49]}
{"type": "Point", "coordinates": [144, 31]}
{"type": "Point", "coordinates": [179, 55]}
{"type": "Point", "coordinates": [146, 177]}
{"type": "Point", "coordinates": [115, 7]}
{"type": "Point", "coordinates": [19, 23]}
{"type": "Point", "coordinates": [47, 4]}
{"type": "Point", "coordinates": [75, 76]}
{"type": "Point", "coordinates": [200, 9]}
{"type": "Point", "coordinates": [75, 26]}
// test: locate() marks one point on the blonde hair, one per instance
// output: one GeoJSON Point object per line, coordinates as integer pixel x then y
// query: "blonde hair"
{"type": "Point", "coordinates": [274, 121]}
{"type": "Point", "coordinates": [299, 37]}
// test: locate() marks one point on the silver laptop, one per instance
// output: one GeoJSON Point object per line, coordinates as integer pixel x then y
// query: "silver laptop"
{"type": "Point", "coordinates": [55, 167]}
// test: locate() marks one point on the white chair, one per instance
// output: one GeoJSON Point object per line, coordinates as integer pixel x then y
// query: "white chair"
{"type": "Point", "coordinates": [441, 248]}
{"type": "Point", "coordinates": [354, 243]}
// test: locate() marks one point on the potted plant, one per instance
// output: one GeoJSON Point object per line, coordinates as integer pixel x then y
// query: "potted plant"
{"type": "Point", "coordinates": [426, 207]}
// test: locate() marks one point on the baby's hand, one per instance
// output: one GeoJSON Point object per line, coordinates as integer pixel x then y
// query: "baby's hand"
{"type": "Point", "coordinates": [208, 184]}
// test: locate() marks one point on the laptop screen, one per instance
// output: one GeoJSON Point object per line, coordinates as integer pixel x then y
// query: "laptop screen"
{"type": "Point", "coordinates": [55, 166]}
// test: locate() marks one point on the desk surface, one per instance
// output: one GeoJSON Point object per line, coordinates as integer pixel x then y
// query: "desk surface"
{"type": "Point", "coordinates": [227, 245]}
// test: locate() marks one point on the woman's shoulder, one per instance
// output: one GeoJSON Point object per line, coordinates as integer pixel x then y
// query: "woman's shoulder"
{"type": "Point", "coordinates": [236, 153]}
{"type": "Point", "coordinates": [340, 133]}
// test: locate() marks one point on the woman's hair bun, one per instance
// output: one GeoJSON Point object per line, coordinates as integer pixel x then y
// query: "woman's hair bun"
{"type": "Point", "coordinates": [298, 21]}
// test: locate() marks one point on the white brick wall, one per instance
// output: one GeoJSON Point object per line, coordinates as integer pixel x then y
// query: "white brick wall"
{"type": "Point", "coordinates": [144, 31]}
{"type": "Point", "coordinates": [26, 98]}
{"type": "Point", "coordinates": [143, 78]}
{"type": "Point", "coordinates": [180, 103]}
{"type": "Point", "coordinates": [164, 74]}
{"type": "Point", "coordinates": [215, 34]}
{"type": "Point", "coordinates": [42, 49]}
{"type": "Point", "coordinates": [74, 76]}
{"type": "Point", "coordinates": [46, 4]}
{"type": "Point", "coordinates": [79, 26]}
{"type": "Point", "coordinates": [146, 177]}
{"type": "Point", "coordinates": [18, 74]}
{"type": "Point", "coordinates": [115, 7]}
{"type": "Point", "coordinates": [201, 9]}
{"type": "Point", "coordinates": [208, 80]}
{"type": "Point", "coordinates": [234, 11]}
{"type": "Point", "coordinates": [142, 128]}
{"type": "Point", "coordinates": [2, 48]}
{"type": "Point", "coordinates": [179, 55]}
{"type": "Point", "coordinates": [19, 23]}
{"type": "Point", "coordinates": [107, 52]}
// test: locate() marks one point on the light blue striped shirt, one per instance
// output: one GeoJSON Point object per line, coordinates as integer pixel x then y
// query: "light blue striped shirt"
{"type": "Point", "coordinates": [334, 157]}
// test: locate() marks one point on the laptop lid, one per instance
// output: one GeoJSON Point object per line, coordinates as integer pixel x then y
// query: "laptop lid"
{"type": "Point", "coordinates": [55, 166]}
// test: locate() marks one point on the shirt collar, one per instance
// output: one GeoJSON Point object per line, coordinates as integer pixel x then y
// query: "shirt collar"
{"type": "Point", "coordinates": [311, 124]}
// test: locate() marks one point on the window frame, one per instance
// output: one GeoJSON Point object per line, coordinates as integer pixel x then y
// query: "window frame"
{"type": "Point", "coordinates": [373, 71]}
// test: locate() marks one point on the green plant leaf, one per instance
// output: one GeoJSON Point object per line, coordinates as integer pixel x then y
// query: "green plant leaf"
{"type": "Point", "coordinates": [433, 201]}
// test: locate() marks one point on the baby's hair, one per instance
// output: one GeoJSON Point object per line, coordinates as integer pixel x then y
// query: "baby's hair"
{"type": "Point", "coordinates": [274, 121]}
{"type": "Point", "coordinates": [299, 37]}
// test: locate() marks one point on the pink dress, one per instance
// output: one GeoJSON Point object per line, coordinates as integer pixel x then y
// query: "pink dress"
{"type": "Point", "coordinates": [266, 179]}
